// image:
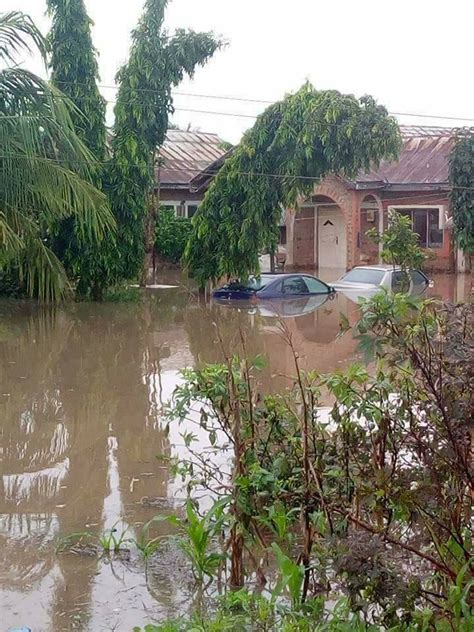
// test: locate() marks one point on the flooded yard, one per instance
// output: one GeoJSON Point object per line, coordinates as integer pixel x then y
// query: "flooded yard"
{"type": "Point", "coordinates": [82, 390]}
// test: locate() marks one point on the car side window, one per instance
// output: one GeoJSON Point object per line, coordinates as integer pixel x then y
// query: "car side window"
{"type": "Point", "coordinates": [315, 286]}
{"type": "Point", "coordinates": [294, 286]}
{"type": "Point", "coordinates": [399, 282]}
{"type": "Point", "coordinates": [417, 278]}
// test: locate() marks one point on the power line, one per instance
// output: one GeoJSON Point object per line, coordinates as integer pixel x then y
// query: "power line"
{"type": "Point", "coordinates": [214, 113]}
{"type": "Point", "coordinates": [260, 101]}
{"type": "Point", "coordinates": [205, 173]}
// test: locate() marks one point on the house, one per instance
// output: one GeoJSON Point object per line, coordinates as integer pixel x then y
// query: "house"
{"type": "Point", "coordinates": [188, 161]}
{"type": "Point", "coordinates": [328, 230]}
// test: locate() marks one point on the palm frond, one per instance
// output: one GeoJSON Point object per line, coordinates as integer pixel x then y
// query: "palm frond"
{"type": "Point", "coordinates": [16, 28]}
{"type": "Point", "coordinates": [46, 175]}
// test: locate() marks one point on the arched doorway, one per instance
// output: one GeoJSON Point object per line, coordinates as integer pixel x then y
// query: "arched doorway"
{"type": "Point", "coordinates": [320, 230]}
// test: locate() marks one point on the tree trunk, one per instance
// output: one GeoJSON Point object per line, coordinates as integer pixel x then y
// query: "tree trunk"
{"type": "Point", "coordinates": [272, 261]}
{"type": "Point", "coordinates": [150, 227]}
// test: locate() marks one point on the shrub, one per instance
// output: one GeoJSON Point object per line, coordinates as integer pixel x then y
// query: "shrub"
{"type": "Point", "coordinates": [172, 234]}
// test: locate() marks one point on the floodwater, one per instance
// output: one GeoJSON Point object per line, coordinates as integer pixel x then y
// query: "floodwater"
{"type": "Point", "coordinates": [81, 395]}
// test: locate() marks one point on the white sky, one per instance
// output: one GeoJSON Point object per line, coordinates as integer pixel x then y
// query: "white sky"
{"type": "Point", "coordinates": [411, 55]}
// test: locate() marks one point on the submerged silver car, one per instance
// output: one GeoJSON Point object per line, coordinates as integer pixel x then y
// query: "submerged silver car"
{"type": "Point", "coordinates": [365, 281]}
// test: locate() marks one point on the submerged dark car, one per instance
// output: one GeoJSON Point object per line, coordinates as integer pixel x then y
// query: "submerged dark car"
{"type": "Point", "coordinates": [268, 286]}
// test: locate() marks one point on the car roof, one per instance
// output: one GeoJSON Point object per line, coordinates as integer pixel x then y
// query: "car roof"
{"type": "Point", "coordinates": [283, 274]}
{"type": "Point", "coordinates": [381, 266]}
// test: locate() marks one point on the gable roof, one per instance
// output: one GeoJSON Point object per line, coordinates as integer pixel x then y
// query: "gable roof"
{"type": "Point", "coordinates": [423, 162]}
{"type": "Point", "coordinates": [186, 155]}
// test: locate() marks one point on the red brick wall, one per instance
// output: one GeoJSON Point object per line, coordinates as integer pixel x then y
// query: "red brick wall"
{"type": "Point", "coordinates": [303, 238]}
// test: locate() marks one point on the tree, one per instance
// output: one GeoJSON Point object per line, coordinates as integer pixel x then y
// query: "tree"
{"type": "Point", "coordinates": [400, 246]}
{"type": "Point", "coordinates": [74, 70]}
{"type": "Point", "coordinates": [293, 144]}
{"type": "Point", "coordinates": [45, 174]}
{"type": "Point", "coordinates": [461, 175]}
{"type": "Point", "coordinates": [172, 234]}
{"type": "Point", "coordinates": [157, 63]}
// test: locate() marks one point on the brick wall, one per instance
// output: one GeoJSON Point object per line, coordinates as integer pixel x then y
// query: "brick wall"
{"type": "Point", "coordinates": [303, 238]}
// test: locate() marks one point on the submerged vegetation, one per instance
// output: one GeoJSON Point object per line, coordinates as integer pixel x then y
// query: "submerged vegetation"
{"type": "Point", "coordinates": [360, 519]}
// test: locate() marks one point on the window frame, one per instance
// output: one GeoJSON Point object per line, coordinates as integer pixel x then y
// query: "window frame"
{"type": "Point", "coordinates": [428, 207]}
{"type": "Point", "coordinates": [172, 203]}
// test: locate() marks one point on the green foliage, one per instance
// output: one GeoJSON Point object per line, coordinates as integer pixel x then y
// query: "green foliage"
{"type": "Point", "coordinates": [172, 234]}
{"type": "Point", "coordinates": [157, 63]}
{"type": "Point", "coordinates": [461, 176]}
{"type": "Point", "coordinates": [196, 535]}
{"type": "Point", "coordinates": [400, 245]}
{"type": "Point", "coordinates": [45, 174]}
{"type": "Point", "coordinates": [291, 577]}
{"type": "Point", "coordinates": [376, 498]}
{"type": "Point", "coordinates": [74, 70]}
{"type": "Point", "coordinates": [122, 294]}
{"type": "Point", "coordinates": [110, 541]}
{"type": "Point", "coordinates": [293, 144]}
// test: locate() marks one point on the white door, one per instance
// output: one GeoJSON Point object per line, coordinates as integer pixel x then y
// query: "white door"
{"type": "Point", "coordinates": [332, 241]}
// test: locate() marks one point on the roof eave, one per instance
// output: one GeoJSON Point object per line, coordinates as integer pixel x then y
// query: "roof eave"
{"type": "Point", "coordinates": [401, 186]}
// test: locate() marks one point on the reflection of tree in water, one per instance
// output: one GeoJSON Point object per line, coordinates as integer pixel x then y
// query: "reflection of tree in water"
{"type": "Point", "coordinates": [314, 335]}
{"type": "Point", "coordinates": [73, 377]}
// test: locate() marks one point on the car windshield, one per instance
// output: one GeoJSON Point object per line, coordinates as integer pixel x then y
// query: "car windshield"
{"type": "Point", "coordinates": [364, 275]}
{"type": "Point", "coordinates": [253, 283]}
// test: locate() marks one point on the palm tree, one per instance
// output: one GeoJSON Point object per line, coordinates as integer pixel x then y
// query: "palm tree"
{"type": "Point", "coordinates": [46, 172]}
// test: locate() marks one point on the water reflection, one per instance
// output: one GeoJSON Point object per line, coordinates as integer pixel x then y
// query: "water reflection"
{"type": "Point", "coordinates": [82, 390]}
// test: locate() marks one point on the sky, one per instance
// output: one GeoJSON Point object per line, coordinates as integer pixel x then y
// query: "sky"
{"type": "Point", "coordinates": [413, 56]}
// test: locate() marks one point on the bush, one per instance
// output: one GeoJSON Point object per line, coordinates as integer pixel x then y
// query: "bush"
{"type": "Point", "coordinates": [172, 234]}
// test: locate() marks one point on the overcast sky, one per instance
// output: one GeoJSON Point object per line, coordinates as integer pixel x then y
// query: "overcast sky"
{"type": "Point", "coordinates": [411, 55]}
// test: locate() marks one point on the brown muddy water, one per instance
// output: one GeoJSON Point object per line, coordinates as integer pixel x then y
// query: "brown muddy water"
{"type": "Point", "coordinates": [81, 395]}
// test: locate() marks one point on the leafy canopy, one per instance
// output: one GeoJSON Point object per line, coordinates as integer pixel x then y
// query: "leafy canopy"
{"type": "Point", "coordinates": [172, 234]}
{"type": "Point", "coordinates": [157, 63]}
{"type": "Point", "coordinates": [293, 144]}
{"type": "Point", "coordinates": [44, 172]}
{"type": "Point", "coordinates": [461, 176]}
{"type": "Point", "coordinates": [74, 70]}
{"type": "Point", "coordinates": [400, 244]}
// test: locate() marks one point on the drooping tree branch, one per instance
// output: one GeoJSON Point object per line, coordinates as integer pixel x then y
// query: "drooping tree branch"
{"type": "Point", "coordinates": [293, 144]}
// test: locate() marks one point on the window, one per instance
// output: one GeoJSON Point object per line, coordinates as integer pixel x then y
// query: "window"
{"type": "Point", "coordinates": [282, 238]}
{"type": "Point", "coordinates": [315, 286]}
{"type": "Point", "coordinates": [169, 206]}
{"type": "Point", "coordinates": [191, 209]}
{"type": "Point", "coordinates": [294, 286]}
{"type": "Point", "coordinates": [253, 283]}
{"type": "Point", "coordinates": [400, 281]}
{"type": "Point", "coordinates": [364, 275]}
{"type": "Point", "coordinates": [419, 281]}
{"type": "Point", "coordinates": [425, 222]}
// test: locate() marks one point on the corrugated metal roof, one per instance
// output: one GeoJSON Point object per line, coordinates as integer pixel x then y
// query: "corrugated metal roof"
{"type": "Point", "coordinates": [186, 154]}
{"type": "Point", "coordinates": [424, 159]}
